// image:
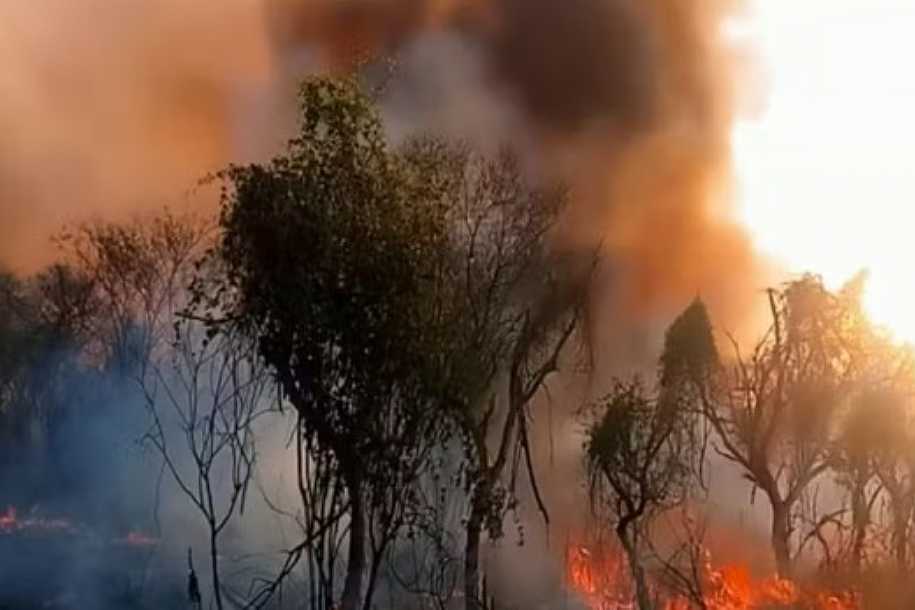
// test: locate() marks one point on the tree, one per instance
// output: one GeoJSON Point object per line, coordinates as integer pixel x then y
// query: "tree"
{"type": "Point", "coordinates": [42, 380]}
{"type": "Point", "coordinates": [397, 294]}
{"type": "Point", "coordinates": [329, 253]}
{"type": "Point", "coordinates": [637, 458]}
{"type": "Point", "coordinates": [428, 563]}
{"type": "Point", "coordinates": [512, 302]}
{"type": "Point", "coordinates": [866, 430]}
{"type": "Point", "coordinates": [207, 394]}
{"type": "Point", "coordinates": [684, 568]}
{"type": "Point", "coordinates": [17, 343]}
{"type": "Point", "coordinates": [774, 411]}
{"type": "Point", "coordinates": [138, 273]}
{"type": "Point", "coordinates": [875, 461]}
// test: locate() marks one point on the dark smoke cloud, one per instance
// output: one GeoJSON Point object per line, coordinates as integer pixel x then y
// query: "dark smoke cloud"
{"type": "Point", "coordinates": [631, 103]}
{"type": "Point", "coordinates": [108, 108]}
{"type": "Point", "coordinates": [577, 61]}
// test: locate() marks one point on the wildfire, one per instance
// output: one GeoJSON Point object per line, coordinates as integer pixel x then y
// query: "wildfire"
{"type": "Point", "coordinates": [602, 581]}
{"type": "Point", "coordinates": [138, 539]}
{"type": "Point", "coordinates": [600, 578]}
{"type": "Point", "coordinates": [8, 519]}
{"type": "Point", "coordinates": [10, 522]}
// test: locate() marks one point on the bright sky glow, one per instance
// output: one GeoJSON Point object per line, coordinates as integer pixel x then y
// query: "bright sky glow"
{"type": "Point", "coordinates": [826, 172]}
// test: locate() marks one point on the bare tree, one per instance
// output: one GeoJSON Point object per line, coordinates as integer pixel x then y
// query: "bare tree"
{"type": "Point", "coordinates": [858, 463]}
{"type": "Point", "coordinates": [139, 272]}
{"type": "Point", "coordinates": [880, 432]}
{"type": "Point", "coordinates": [323, 497]}
{"type": "Point", "coordinates": [774, 411]}
{"type": "Point", "coordinates": [682, 565]}
{"type": "Point", "coordinates": [330, 256]}
{"type": "Point", "coordinates": [208, 392]}
{"type": "Point", "coordinates": [428, 562]}
{"type": "Point", "coordinates": [513, 304]}
{"type": "Point", "coordinates": [43, 379]}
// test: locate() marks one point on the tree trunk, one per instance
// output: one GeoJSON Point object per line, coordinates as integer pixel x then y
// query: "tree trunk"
{"type": "Point", "coordinates": [901, 539]}
{"type": "Point", "coordinates": [377, 556]}
{"type": "Point", "coordinates": [214, 566]}
{"type": "Point", "coordinates": [472, 556]}
{"type": "Point", "coordinates": [355, 562]}
{"type": "Point", "coordinates": [781, 531]}
{"type": "Point", "coordinates": [642, 592]}
{"type": "Point", "coordinates": [860, 519]}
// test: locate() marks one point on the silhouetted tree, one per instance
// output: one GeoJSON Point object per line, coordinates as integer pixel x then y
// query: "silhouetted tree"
{"type": "Point", "coordinates": [867, 430]}
{"type": "Point", "coordinates": [774, 410]}
{"type": "Point", "coordinates": [329, 254]}
{"type": "Point", "coordinates": [638, 461]}
{"type": "Point", "coordinates": [203, 400]}
{"type": "Point", "coordinates": [42, 379]}
{"type": "Point", "coordinates": [512, 302]}
{"type": "Point", "coordinates": [874, 461]}
{"type": "Point", "coordinates": [139, 272]}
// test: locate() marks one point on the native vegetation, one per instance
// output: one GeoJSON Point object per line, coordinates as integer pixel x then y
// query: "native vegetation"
{"type": "Point", "coordinates": [403, 310]}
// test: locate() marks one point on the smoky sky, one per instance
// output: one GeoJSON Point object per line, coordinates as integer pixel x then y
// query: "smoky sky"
{"type": "Point", "coordinates": [112, 108]}
{"type": "Point", "coordinates": [576, 61]}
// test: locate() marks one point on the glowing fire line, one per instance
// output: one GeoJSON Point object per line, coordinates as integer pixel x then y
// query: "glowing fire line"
{"type": "Point", "coordinates": [602, 581]}
{"type": "Point", "coordinates": [11, 523]}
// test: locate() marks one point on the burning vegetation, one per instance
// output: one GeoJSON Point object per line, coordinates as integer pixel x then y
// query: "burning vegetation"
{"type": "Point", "coordinates": [55, 562]}
{"type": "Point", "coordinates": [11, 523]}
{"type": "Point", "coordinates": [601, 579]}
{"type": "Point", "coordinates": [788, 414]}
{"type": "Point", "coordinates": [339, 391]}
{"type": "Point", "coordinates": [388, 320]}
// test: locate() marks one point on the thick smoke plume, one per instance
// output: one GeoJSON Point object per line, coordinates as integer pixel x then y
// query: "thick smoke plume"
{"type": "Point", "coordinates": [630, 102]}
{"type": "Point", "coordinates": [109, 108]}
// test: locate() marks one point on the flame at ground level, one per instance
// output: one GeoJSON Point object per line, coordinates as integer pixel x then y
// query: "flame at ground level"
{"type": "Point", "coordinates": [12, 523]}
{"type": "Point", "coordinates": [600, 577]}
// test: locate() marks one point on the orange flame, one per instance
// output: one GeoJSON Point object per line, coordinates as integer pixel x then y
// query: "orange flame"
{"type": "Point", "coordinates": [10, 522]}
{"type": "Point", "coordinates": [601, 579]}
{"type": "Point", "coordinates": [138, 539]}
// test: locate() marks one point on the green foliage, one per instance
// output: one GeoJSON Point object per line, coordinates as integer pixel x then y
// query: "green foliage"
{"type": "Point", "coordinates": [329, 258]}
{"type": "Point", "coordinates": [41, 329]}
{"type": "Point", "coordinates": [618, 435]}
{"type": "Point", "coordinates": [331, 261]}
{"type": "Point", "coordinates": [389, 289]}
{"type": "Point", "coordinates": [636, 457]}
{"type": "Point", "coordinates": [689, 352]}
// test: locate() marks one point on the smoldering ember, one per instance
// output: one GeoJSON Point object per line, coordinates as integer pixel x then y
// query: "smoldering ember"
{"type": "Point", "coordinates": [456, 304]}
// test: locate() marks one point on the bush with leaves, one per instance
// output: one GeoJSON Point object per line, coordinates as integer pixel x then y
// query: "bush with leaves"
{"type": "Point", "coordinates": [638, 459]}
